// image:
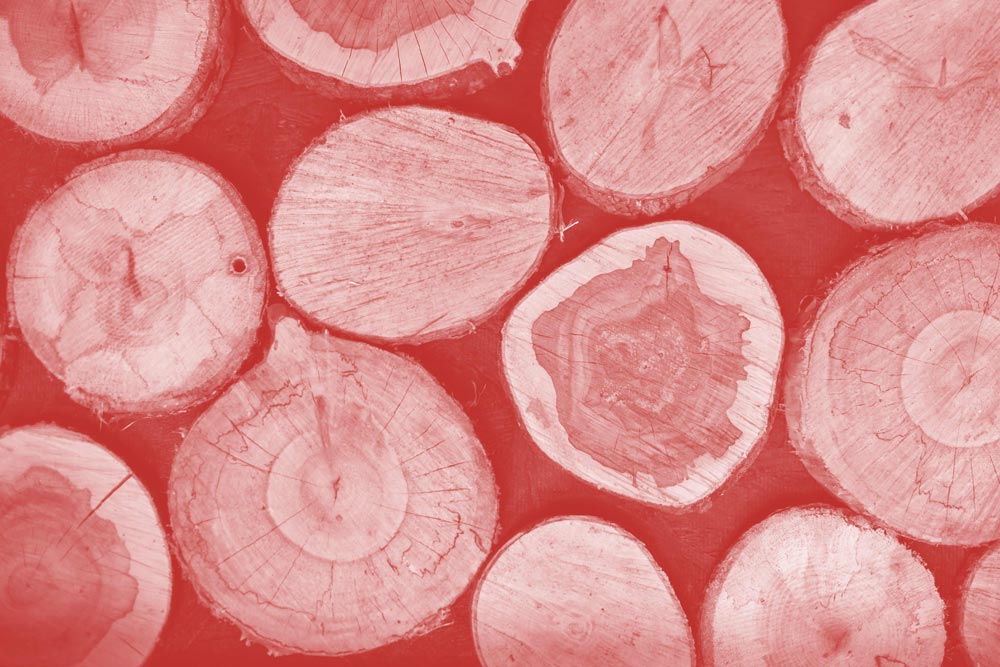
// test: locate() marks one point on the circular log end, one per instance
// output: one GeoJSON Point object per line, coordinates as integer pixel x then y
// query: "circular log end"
{"type": "Point", "coordinates": [577, 590]}
{"type": "Point", "coordinates": [979, 614]}
{"type": "Point", "coordinates": [84, 569]}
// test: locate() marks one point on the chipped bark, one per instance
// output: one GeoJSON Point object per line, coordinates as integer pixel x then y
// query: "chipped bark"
{"type": "Point", "coordinates": [640, 368]}
{"type": "Point", "coordinates": [816, 586]}
{"type": "Point", "coordinates": [84, 569]}
{"type": "Point", "coordinates": [139, 282]}
{"type": "Point", "coordinates": [891, 120]}
{"type": "Point", "coordinates": [650, 103]}
{"type": "Point", "coordinates": [892, 400]}
{"type": "Point", "coordinates": [578, 591]}
{"type": "Point", "coordinates": [390, 49]}
{"type": "Point", "coordinates": [333, 500]}
{"type": "Point", "coordinates": [979, 611]}
{"type": "Point", "coordinates": [410, 224]}
{"type": "Point", "coordinates": [108, 73]}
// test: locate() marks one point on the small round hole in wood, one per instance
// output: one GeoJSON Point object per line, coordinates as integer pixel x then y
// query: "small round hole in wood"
{"type": "Point", "coordinates": [238, 266]}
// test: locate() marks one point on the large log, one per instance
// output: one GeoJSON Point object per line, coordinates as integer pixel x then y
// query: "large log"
{"type": "Point", "coordinates": [651, 102]}
{"type": "Point", "coordinates": [102, 73]}
{"type": "Point", "coordinates": [979, 611]}
{"type": "Point", "coordinates": [815, 587]}
{"type": "Point", "coordinates": [139, 283]}
{"type": "Point", "coordinates": [647, 366]}
{"type": "Point", "coordinates": [893, 399]}
{"type": "Point", "coordinates": [84, 568]}
{"type": "Point", "coordinates": [398, 49]}
{"type": "Point", "coordinates": [410, 224]}
{"type": "Point", "coordinates": [578, 591]}
{"type": "Point", "coordinates": [892, 119]}
{"type": "Point", "coordinates": [333, 500]}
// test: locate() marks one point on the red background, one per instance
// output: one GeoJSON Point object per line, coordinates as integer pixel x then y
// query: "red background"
{"type": "Point", "coordinates": [261, 121]}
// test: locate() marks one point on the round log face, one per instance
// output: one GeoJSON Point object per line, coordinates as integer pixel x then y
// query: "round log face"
{"type": "Point", "coordinates": [647, 366]}
{"type": "Point", "coordinates": [410, 224]}
{"type": "Point", "coordinates": [107, 71]}
{"type": "Point", "coordinates": [577, 590]}
{"type": "Point", "coordinates": [84, 569]}
{"type": "Point", "coordinates": [892, 119]}
{"type": "Point", "coordinates": [979, 615]}
{"type": "Point", "coordinates": [650, 102]}
{"type": "Point", "coordinates": [139, 283]}
{"type": "Point", "coordinates": [893, 402]}
{"type": "Point", "coordinates": [813, 586]}
{"type": "Point", "coordinates": [385, 44]}
{"type": "Point", "coordinates": [333, 500]}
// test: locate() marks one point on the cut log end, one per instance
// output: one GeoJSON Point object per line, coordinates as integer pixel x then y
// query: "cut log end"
{"type": "Point", "coordinates": [892, 127]}
{"type": "Point", "coordinates": [979, 615]}
{"type": "Point", "coordinates": [101, 73]}
{"type": "Point", "coordinates": [84, 568]}
{"type": "Point", "coordinates": [640, 368]}
{"type": "Point", "coordinates": [139, 283]}
{"type": "Point", "coordinates": [893, 401]}
{"type": "Point", "coordinates": [390, 47]}
{"type": "Point", "coordinates": [814, 586]}
{"type": "Point", "coordinates": [578, 591]}
{"type": "Point", "coordinates": [333, 500]}
{"type": "Point", "coordinates": [418, 224]}
{"type": "Point", "coordinates": [652, 102]}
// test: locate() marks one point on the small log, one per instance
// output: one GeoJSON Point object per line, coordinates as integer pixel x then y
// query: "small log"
{"type": "Point", "coordinates": [84, 568]}
{"type": "Point", "coordinates": [102, 73]}
{"type": "Point", "coordinates": [410, 224]}
{"type": "Point", "coordinates": [893, 399]}
{"type": "Point", "coordinates": [578, 591]}
{"type": "Point", "coordinates": [647, 366]}
{"type": "Point", "coordinates": [979, 612]}
{"type": "Point", "coordinates": [649, 103]}
{"type": "Point", "coordinates": [139, 283]}
{"type": "Point", "coordinates": [333, 500]}
{"type": "Point", "coordinates": [815, 586]}
{"type": "Point", "coordinates": [395, 49]}
{"type": "Point", "coordinates": [892, 119]}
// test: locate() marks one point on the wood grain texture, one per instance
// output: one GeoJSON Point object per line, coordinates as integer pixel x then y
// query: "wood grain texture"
{"type": "Point", "coordinates": [979, 611]}
{"type": "Point", "coordinates": [106, 73]}
{"type": "Point", "coordinates": [647, 366]}
{"type": "Point", "coordinates": [649, 103]}
{"type": "Point", "coordinates": [333, 500]}
{"type": "Point", "coordinates": [816, 587]}
{"type": "Point", "coordinates": [139, 282]}
{"type": "Point", "coordinates": [396, 49]}
{"type": "Point", "coordinates": [410, 224]}
{"type": "Point", "coordinates": [84, 570]}
{"type": "Point", "coordinates": [578, 591]}
{"type": "Point", "coordinates": [892, 397]}
{"type": "Point", "coordinates": [891, 121]}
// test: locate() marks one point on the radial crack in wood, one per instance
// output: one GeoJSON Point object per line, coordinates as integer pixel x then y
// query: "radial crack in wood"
{"type": "Point", "coordinates": [892, 119]}
{"type": "Point", "coordinates": [410, 224]}
{"type": "Point", "coordinates": [651, 102]}
{"type": "Point", "coordinates": [390, 48]}
{"type": "Point", "coordinates": [333, 500]}
{"type": "Point", "coordinates": [139, 282]}
{"type": "Point", "coordinates": [578, 591]}
{"type": "Point", "coordinates": [893, 399]}
{"type": "Point", "coordinates": [647, 366]}
{"type": "Point", "coordinates": [979, 612]}
{"type": "Point", "coordinates": [110, 72]}
{"type": "Point", "coordinates": [84, 570]}
{"type": "Point", "coordinates": [816, 587]}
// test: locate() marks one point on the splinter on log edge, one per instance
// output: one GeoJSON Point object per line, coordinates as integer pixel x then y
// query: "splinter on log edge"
{"type": "Point", "coordinates": [979, 611]}
{"type": "Point", "coordinates": [647, 366]}
{"type": "Point", "coordinates": [332, 500]}
{"type": "Point", "coordinates": [411, 224]}
{"type": "Point", "coordinates": [891, 120]}
{"type": "Point", "coordinates": [893, 397]}
{"type": "Point", "coordinates": [108, 73]}
{"type": "Point", "coordinates": [649, 103]}
{"type": "Point", "coordinates": [390, 49]}
{"type": "Point", "coordinates": [816, 586]}
{"type": "Point", "coordinates": [139, 283]}
{"type": "Point", "coordinates": [578, 591]}
{"type": "Point", "coordinates": [85, 575]}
